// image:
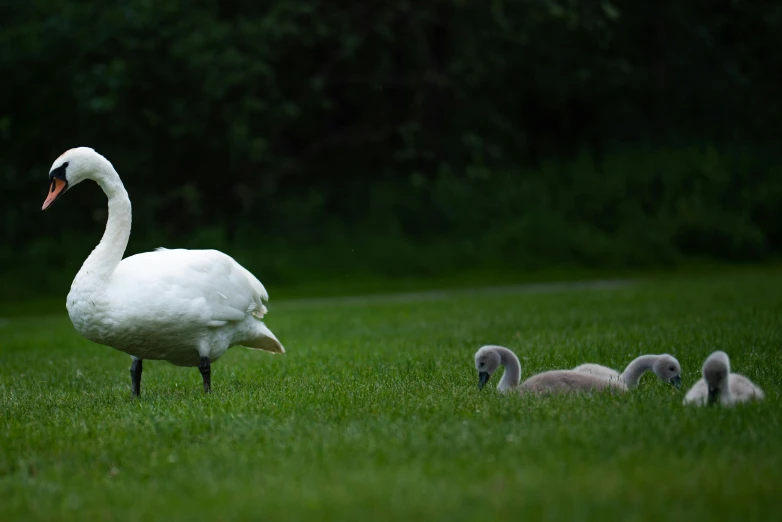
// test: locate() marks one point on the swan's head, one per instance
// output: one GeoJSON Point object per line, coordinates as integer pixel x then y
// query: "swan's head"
{"type": "Point", "coordinates": [487, 360]}
{"type": "Point", "coordinates": [668, 369]}
{"type": "Point", "coordinates": [71, 168]}
{"type": "Point", "coordinates": [716, 370]}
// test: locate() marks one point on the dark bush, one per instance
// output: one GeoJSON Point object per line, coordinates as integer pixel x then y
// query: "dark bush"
{"type": "Point", "coordinates": [397, 137]}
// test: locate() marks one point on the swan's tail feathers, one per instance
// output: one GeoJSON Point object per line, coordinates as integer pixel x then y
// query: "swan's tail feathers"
{"type": "Point", "coordinates": [258, 312]}
{"type": "Point", "coordinates": [264, 340]}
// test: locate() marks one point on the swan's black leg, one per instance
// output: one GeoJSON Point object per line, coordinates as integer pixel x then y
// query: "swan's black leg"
{"type": "Point", "coordinates": [135, 376]}
{"type": "Point", "coordinates": [205, 368]}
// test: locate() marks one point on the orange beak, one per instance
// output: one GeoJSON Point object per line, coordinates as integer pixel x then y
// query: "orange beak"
{"type": "Point", "coordinates": [56, 190]}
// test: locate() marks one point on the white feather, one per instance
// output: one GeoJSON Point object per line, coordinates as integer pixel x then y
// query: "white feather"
{"type": "Point", "coordinates": [170, 304]}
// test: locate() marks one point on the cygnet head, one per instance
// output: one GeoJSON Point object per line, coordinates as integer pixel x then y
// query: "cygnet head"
{"type": "Point", "coordinates": [71, 168]}
{"type": "Point", "coordinates": [668, 369]}
{"type": "Point", "coordinates": [487, 360]}
{"type": "Point", "coordinates": [716, 370]}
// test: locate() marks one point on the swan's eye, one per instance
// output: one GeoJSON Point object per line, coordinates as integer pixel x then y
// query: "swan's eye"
{"type": "Point", "coordinates": [481, 365]}
{"type": "Point", "coordinates": [59, 172]}
{"type": "Point", "coordinates": [672, 369]}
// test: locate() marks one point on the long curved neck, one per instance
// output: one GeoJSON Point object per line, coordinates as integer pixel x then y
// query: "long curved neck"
{"type": "Point", "coordinates": [638, 367]}
{"type": "Point", "coordinates": [103, 260]}
{"type": "Point", "coordinates": [512, 374]}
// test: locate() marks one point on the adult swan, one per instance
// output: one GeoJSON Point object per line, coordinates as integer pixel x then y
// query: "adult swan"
{"type": "Point", "coordinates": [186, 307]}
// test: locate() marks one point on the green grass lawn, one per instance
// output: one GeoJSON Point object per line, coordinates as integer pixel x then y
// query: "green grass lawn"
{"type": "Point", "coordinates": [375, 414]}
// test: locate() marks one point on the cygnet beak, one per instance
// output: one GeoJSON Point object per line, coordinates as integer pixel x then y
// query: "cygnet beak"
{"type": "Point", "coordinates": [714, 394]}
{"type": "Point", "coordinates": [676, 380]}
{"type": "Point", "coordinates": [483, 378]}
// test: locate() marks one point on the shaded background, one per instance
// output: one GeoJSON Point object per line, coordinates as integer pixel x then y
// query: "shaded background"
{"type": "Point", "coordinates": [319, 141]}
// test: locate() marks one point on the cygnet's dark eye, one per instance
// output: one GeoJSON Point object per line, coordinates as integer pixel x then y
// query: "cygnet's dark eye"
{"type": "Point", "coordinates": [481, 365]}
{"type": "Point", "coordinates": [672, 369]}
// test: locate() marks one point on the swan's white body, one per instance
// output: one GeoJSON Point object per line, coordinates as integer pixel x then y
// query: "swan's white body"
{"type": "Point", "coordinates": [726, 388]}
{"type": "Point", "coordinates": [174, 305]}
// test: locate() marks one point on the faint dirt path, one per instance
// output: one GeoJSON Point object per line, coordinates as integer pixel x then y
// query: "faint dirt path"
{"type": "Point", "coordinates": [438, 295]}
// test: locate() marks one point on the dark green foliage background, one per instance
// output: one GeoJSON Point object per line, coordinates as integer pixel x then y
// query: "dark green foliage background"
{"type": "Point", "coordinates": [312, 139]}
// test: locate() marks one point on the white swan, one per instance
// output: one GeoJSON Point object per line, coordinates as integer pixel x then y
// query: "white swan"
{"type": "Point", "coordinates": [489, 358]}
{"type": "Point", "coordinates": [186, 307]}
{"type": "Point", "coordinates": [719, 385]}
{"type": "Point", "coordinates": [665, 366]}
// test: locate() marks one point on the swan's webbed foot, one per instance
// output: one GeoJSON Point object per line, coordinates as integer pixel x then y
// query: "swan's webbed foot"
{"type": "Point", "coordinates": [135, 376]}
{"type": "Point", "coordinates": [205, 367]}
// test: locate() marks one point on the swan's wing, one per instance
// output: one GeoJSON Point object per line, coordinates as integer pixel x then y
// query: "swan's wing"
{"type": "Point", "coordinates": [743, 389]}
{"type": "Point", "coordinates": [570, 380]}
{"type": "Point", "coordinates": [597, 369]}
{"type": "Point", "coordinates": [202, 285]}
{"type": "Point", "coordinates": [698, 394]}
